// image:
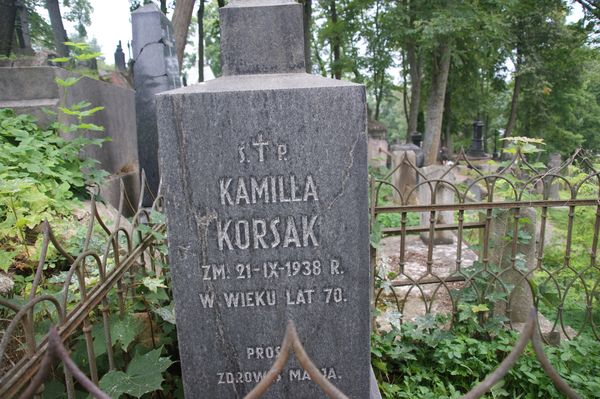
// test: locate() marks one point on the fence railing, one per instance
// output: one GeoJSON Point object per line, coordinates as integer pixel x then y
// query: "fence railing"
{"type": "Point", "coordinates": [490, 228]}
{"type": "Point", "coordinates": [121, 251]}
{"type": "Point", "coordinates": [509, 234]}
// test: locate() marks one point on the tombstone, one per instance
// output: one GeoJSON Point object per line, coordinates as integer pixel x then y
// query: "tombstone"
{"type": "Point", "coordinates": [438, 193]}
{"type": "Point", "coordinates": [120, 65]}
{"type": "Point", "coordinates": [155, 70]}
{"type": "Point", "coordinates": [500, 255]}
{"type": "Point", "coordinates": [377, 144]}
{"type": "Point", "coordinates": [477, 148]}
{"type": "Point", "coordinates": [554, 164]}
{"type": "Point", "coordinates": [416, 138]}
{"type": "Point", "coordinates": [404, 177]}
{"type": "Point", "coordinates": [265, 182]}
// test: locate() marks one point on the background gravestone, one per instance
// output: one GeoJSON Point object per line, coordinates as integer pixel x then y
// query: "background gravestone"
{"type": "Point", "coordinates": [155, 70]}
{"type": "Point", "coordinates": [514, 274]}
{"type": "Point", "coordinates": [404, 177]}
{"type": "Point", "coordinates": [265, 179]}
{"type": "Point", "coordinates": [554, 164]}
{"type": "Point", "coordinates": [438, 191]}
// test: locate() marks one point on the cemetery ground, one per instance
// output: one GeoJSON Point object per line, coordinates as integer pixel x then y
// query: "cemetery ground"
{"type": "Point", "coordinates": [430, 355]}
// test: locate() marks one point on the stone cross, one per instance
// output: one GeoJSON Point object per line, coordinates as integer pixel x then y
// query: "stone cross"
{"type": "Point", "coordinates": [265, 182]}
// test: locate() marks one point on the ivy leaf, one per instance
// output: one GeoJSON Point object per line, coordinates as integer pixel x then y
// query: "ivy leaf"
{"type": "Point", "coordinates": [124, 330]}
{"type": "Point", "coordinates": [167, 313]}
{"type": "Point", "coordinates": [143, 375]}
{"type": "Point", "coordinates": [153, 283]}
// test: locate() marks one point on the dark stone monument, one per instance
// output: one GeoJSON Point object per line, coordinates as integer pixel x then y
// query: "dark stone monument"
{"type": "Point", "coordinates": [477, 148]}
{"type": "Point", "coordinates": [120, 65]}
{"type": "Point", "coordinates": [416, 138]}
{"type": "Point", "coordinates": [155, 70]}
{"type": "Point", "coordinates": [265, 182]}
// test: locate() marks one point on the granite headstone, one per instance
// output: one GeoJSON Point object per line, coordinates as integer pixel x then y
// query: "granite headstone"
{"type": "Point", "coordinates": [155, 69]}
{"type": "Point", "coordinates": [265, 181]}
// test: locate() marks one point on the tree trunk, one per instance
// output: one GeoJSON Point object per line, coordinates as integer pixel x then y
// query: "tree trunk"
{"type": "Point", "coordinates": [512, 118]}
{"type": "Point", "coordinates": [415, 71]}
{"type": "Point", "coordinates": [8, 14]}
{"type": "Point", "coordinates": [58, 30]}
{"type": "Point", "coordinates": [182, 16]}
{"type": "Point", "coordinates": [435, 103]}
{"type": "Point", "coordinates": [379, 93]}
{"type": "Point", "coordinates": [200, 17]}
{"type": "Point", "coordinates": [23, 21]}
{"type": "Point", "coordinates": [320, 62]}
{"type": "Point", "coordinates": [336, 68]}
{"type": "Point", "coordinates": [307, 26]}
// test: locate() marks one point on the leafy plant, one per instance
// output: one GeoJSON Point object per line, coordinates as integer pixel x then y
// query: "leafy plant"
{"type": "Point", "coordinates": [40, 175]}
{"type": "Point", "coordinates": [423, 360]}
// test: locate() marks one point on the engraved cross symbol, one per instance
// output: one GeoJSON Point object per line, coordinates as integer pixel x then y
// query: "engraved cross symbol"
{"type": "Point", "coordinates": [260, 144]}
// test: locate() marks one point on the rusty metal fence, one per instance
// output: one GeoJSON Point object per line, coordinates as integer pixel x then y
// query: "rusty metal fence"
{"type": "Point", "coordinates": [509, 234]}
{"type": "Point", "coordinates": [489, 211]}
{"type": "Point", "coordinates": [79, 304]}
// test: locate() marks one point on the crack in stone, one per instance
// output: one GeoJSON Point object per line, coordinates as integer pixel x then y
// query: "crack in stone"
{"type": "Point", "coordinates": [346, 173]}
{"type": "Point", "coordinates": [146, 45]}
{"type": "Point", "coordinates": [200, 228]}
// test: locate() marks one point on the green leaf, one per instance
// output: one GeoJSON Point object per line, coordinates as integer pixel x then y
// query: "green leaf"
{"type": "Point", "coordinates": [153, 283]}
{"type": "Point", "coordinates": [90, 126]}
{"type": "Point", "coordinates": [167, 313]}
{"type": "Point", "coordinates": [115, 384]}
{"type": "Point", "coordinates": [124, 331]}
{"type": "Point", "coordinates": [6, 259]}
{"type": "Point", "coordinates": [480, 308]}
{"type": "Point", "coordinates": [60, 59]}
{"type": "Point", "coordinates": [87, 56]}
{"type": "Point", "coordinates": [143, 375]}
{"type": "Point", "coordinates": [68, 82]}
{"type": "Point", "coordinates": [92, 111]}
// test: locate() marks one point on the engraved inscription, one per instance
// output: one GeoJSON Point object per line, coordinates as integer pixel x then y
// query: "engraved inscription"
{"type": "Point", "coordinates": [294, 227]}
{"type": "Point", "coordinates": [266, 190]}
{"type": "Point", "coordinates": [267, 233]}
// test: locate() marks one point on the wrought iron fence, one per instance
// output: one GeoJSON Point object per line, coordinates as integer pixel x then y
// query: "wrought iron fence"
{"type": "Point", "coordinates": [79, 304]}
{"type": "Point", "coordinates": [508, 234]}
{"type": "Point", "coordinates": [475, 205]}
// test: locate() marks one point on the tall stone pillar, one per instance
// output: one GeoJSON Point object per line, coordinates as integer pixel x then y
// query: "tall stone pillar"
{"type": "Point", "coordinates": [155, 70]}
{"type": "Point", "coordinates": [265, 182]}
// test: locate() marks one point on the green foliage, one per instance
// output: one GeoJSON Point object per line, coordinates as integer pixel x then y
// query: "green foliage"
{"type": "Point", "coordinates": [40, 172]}
{"type": "Point", "coordinates": [423, 360]}
{"type": "Point", "coordinates": [143, 375]}
{"type": "Point", "coordinates": [79, 53]}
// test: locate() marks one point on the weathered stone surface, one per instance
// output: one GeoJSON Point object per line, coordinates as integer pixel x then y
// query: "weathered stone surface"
{"type": "Point", "coordinates": [252, 32]}
{"type": "Point", "coordinates": [28, 90]}
{"type": "Point", "coordinates": [312, 133]}
{"type": "Point", "coordinates": [438, 191]}
{"type": "Point", "coordinates": [265, 181]}
{"type": "Point", "coordinates": [378, 152]}
{"type": "Point", "coordinates": [155, 70]}
{"type": "Point", "coordinates": [404, 177]}
{"type": "Point", "coordinates": [554, 163]}
{"type": "Point", "coordinates": [514, 266]}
